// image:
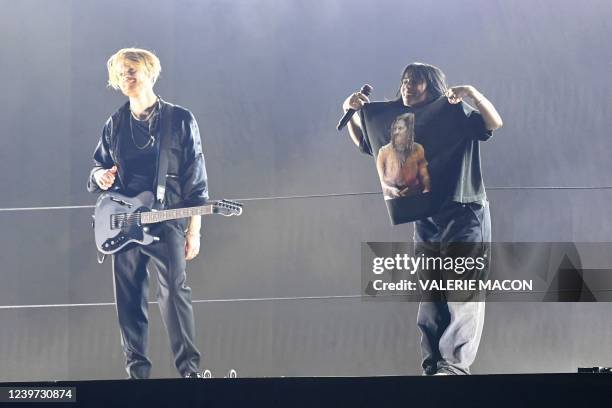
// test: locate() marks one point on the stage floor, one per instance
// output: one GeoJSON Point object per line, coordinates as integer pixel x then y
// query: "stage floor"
{"type": "Point", "coordinates": [520, 390]}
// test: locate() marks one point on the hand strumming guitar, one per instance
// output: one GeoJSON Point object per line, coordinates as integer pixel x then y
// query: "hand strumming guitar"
{"type": "Point", "coordinates": [105, 177]}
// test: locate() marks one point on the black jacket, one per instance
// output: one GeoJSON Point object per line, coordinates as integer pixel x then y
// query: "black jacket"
{"type": "Point", "coordinates": [186, 180]}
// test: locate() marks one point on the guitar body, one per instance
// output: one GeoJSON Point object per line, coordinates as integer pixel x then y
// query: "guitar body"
{"type": "Point", "coordinates": [111, 238]}
{"type": "Point", "coordinates": [120, 220]}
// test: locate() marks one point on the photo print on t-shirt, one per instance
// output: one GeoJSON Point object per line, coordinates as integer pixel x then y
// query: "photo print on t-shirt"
{"type": "Point", "coordinates": [401, 163]}
{"type": "Point", "coordinates": [424, 155]}
{"type": "Point", "coordinates": [391, 135]}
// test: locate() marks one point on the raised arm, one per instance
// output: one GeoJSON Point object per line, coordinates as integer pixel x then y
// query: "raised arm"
{"type": "Point", "coordinates": [355, 101]}
{"type": "Point", "coordinates": [491, 117]}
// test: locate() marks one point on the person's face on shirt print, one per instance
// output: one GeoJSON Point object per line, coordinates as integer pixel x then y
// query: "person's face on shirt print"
{"type": "Point", "coordinates": [399, 135]}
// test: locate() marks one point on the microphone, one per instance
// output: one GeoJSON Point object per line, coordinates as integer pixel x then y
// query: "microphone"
{"type": "Point", "coordinates": [366, 89]}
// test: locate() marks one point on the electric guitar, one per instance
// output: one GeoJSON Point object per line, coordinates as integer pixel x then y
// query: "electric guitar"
{"type": "Point", "coordinates": [119, 220]}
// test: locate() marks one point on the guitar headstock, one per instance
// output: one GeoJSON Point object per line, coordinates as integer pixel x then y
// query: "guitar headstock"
{"type": "Point", "coordinates": [227, 208]}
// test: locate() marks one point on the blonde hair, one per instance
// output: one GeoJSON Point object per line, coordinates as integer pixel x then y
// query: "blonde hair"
{"type": "Point", "coordinates": [137, 55]}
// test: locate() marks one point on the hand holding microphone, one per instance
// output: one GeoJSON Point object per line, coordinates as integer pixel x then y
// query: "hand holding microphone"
{"type": "Point", "coordinates": [353, 103]}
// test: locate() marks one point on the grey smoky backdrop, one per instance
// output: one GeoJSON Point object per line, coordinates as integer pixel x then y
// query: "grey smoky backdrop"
{"type": "Point", "coordinates": [277, 290]}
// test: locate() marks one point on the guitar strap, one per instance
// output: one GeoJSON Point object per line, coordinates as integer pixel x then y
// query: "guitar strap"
{"type": "Point", "coordinates": [165, 135]}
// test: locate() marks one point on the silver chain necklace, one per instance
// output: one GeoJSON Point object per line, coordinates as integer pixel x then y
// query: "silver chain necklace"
{"type": "Point", "coordinates": [151, 138]}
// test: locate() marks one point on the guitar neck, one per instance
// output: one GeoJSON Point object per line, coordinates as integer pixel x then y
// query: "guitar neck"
{"type": "Point", "coordinates": [165, 215]}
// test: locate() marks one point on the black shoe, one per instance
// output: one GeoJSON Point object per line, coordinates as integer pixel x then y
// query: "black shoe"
{"type": "Point", "coordinates": [197, 374]}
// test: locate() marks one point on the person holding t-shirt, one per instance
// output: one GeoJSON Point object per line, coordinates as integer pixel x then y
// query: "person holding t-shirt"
{"type": "Point", "coordinates": [450, 131]}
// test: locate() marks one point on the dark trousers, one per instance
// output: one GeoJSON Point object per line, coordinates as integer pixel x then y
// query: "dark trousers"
{"type": "Point", "coordinates": [131, 278]}
{"type": "Point", "coordinates": [451, 327]}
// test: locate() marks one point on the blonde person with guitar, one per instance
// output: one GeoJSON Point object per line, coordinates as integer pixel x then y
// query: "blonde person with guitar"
{"type": "Point", "coordinates": [150, 149]}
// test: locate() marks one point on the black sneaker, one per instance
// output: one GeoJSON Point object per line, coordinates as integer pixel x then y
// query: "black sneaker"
{"type": "Point", "coordinates": [197, 374]}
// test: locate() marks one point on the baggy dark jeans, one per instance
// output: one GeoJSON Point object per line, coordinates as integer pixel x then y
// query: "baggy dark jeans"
{"type": "Point", "coordinates": [131, 280]}
{"type": "Point", "coordinates": [451, 330]}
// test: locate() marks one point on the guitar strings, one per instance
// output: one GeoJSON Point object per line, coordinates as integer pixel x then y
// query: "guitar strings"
{"type": "Point", "coordinates": [125, 220]}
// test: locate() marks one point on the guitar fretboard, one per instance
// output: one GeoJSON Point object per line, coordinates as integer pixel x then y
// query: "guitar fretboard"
{"type": "Point", "coordinates": [165, 215]}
